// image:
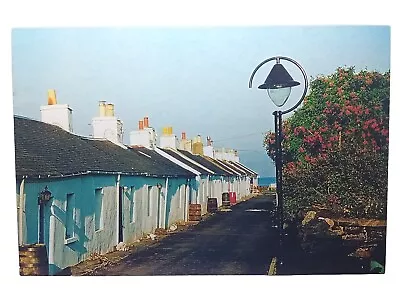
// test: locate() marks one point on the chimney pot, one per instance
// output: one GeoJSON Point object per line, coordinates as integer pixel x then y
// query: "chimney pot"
{"type": "Point", "coordinates": [102, 108]}
{"type": "Point", "coordinates": [146, 122]}
{"type": "Point", "coordinates": [183, 135]}
{"type": "Point", "coordinates": [51, 97]}
{"type": "Point", "coordinates": [110, 110]}
{"type": "Point", "coordinates": [209, 142]}
{"type": "Point", "coordinates": [140, 125]}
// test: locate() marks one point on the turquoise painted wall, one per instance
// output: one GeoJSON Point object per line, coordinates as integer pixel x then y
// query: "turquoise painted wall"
{"type": "Point", "coordinates": [88, 240]}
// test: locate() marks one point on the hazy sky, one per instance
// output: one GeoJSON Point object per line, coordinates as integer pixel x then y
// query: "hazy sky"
{"type": "Point", "coordinates": [193, 79]}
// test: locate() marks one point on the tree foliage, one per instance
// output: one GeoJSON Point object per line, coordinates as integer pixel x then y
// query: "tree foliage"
{"type": "Point", "coordinates": [335, 147]}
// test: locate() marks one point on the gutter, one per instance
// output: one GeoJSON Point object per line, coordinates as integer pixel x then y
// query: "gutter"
{"type": "Point", "coordinates": [88, 172]}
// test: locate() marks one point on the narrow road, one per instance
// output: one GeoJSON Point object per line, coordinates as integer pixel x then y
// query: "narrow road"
{"type": "Point", "coordinates": [237, 242]}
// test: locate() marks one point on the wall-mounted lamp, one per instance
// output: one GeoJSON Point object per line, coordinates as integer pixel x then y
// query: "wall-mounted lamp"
{"type": "Point", "coordinates": [159, 186]}
{"type": "Point", "coordinates": [126, 189]}
{"type": "Point", "coordinates": [44, 196]}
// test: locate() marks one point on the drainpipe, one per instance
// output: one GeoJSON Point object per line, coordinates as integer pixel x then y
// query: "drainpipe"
{"type": "Point", "coordinates": [187, 199]}
{"type": "Point", "coordinates": [165, 204]}
{"type": "Point", "coordinates": [197, 184]}
{"type": "Point", "coordinates": [118, 205]}
{"type": "Point", "coordinates": [159, 191]}
{"type": "Point", "coordinates": [207, 186]}
{"type": "Point", "coordinates": [52, 234]}
{"type": "Point", "coordinates": [21, 212]}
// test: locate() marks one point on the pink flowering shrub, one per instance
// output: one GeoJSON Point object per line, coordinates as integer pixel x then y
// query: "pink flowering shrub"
{"type": "Point", "coordinates": [335, 146]}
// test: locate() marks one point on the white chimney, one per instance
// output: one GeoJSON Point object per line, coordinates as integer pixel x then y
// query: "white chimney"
{"type": "Point", "coordinates": [145, 136]}
{"type": "Point", "coordinates": [56, 114]}
{"type": "Point", "coordinates": [236, 156]}
{"type": "Point", "coordinates": [168, 139]}
{"type": "Point", "coordinates": [226, 154]}
{"type": "Point", "coordinates": [106, 125]}
{"type": "Point", "coordinates": [184, 143]}
{"type": "Point", "coordinates": [209, 149]}
{"type": "Point", "coordinates": [219, 153]}
{"type": "Point", "coordinates": [232, 155]}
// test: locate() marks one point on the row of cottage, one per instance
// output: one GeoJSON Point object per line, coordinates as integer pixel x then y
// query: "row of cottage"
{"type": "Point", "coordinates": [82, 195]}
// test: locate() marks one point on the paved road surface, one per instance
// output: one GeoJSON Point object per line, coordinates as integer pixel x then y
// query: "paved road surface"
{"type": "Point", "coordinates": [239, 242]}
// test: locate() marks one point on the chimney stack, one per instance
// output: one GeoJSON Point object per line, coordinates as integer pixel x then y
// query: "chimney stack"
{"type": "Point", "coordinates": [209, 150]}
{"type": "Point", "coordinates": [168, 139]}
{"type": "Point", "coordinates": [197, 146]}
{"type": "Point", "coordinates": [56, 114]}
{"type": "Point", "coordinates": [145, 136]}
{"type": "Point", "coordinates": [185, 144]}
{"type": "Point", "coordinates": [106, 125]}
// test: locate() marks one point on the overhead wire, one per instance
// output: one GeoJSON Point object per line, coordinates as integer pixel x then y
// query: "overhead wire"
{"type": "Point", "coordinates": [240, 136]}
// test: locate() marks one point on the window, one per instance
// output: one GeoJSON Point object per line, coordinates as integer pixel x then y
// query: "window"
{"type": "Point", "coordinates": [98, 211]}
{"type": "Point", "coordinates": [70, 216]}
{"type": "Point", "coordinates": [132, 205]}
{"type": "Point", "coordinates": [149, 205]}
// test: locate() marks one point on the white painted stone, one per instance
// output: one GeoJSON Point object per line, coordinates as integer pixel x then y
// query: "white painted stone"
{"type": "Point", "coordinates": [146, 138]}
{"type": "Point", "coordinates": [58, 114]}
{"type": "Point", "coordinates": [109, 128]}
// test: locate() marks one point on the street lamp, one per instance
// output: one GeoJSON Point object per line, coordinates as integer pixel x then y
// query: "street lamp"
{"type": "Point", "coordinates": [279, 84]}
{"type": "Point", "coordinates": [44, 196]}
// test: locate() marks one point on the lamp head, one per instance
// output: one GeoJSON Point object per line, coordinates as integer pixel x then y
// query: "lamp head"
{"type": "Point", "coordinates": [279, 84]}
{"type": "Point", "coordinates": [45, 195]}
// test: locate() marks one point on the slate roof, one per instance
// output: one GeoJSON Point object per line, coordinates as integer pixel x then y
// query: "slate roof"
{"type": "Point", "coordinates": [44, 150]}
{"type": "Point", "coordinates": [242, 166]}
{"type": "Point", "coordinates": [225, 166]}
{"type": "Point", "coordinates": [185, 161]}
{"type": "Point", "coordinates": [157, 159]}
{"type": "Point", "coordinates": [203, 160]}
{"type": "Point", "coordinates": [233, 167]}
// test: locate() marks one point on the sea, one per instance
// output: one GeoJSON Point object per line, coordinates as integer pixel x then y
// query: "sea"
{"type": "Point", "coordinates": [265, 181]}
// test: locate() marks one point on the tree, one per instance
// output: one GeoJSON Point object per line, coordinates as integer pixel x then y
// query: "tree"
{"type": "Point", "coordinates": [336, 146]}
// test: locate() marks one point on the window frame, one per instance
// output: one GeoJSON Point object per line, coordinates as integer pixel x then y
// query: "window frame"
{"type": "Point", "coordinates": [70, 201]}
{"type": "Point", "coordinates": [100, 223]}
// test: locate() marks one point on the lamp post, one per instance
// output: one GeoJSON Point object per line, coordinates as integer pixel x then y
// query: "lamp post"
{"type": "Point", "coordinates": [279, 84]}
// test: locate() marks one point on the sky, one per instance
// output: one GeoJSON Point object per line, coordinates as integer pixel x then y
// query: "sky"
{"type": "Point", "coordinates": [194, 79]}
